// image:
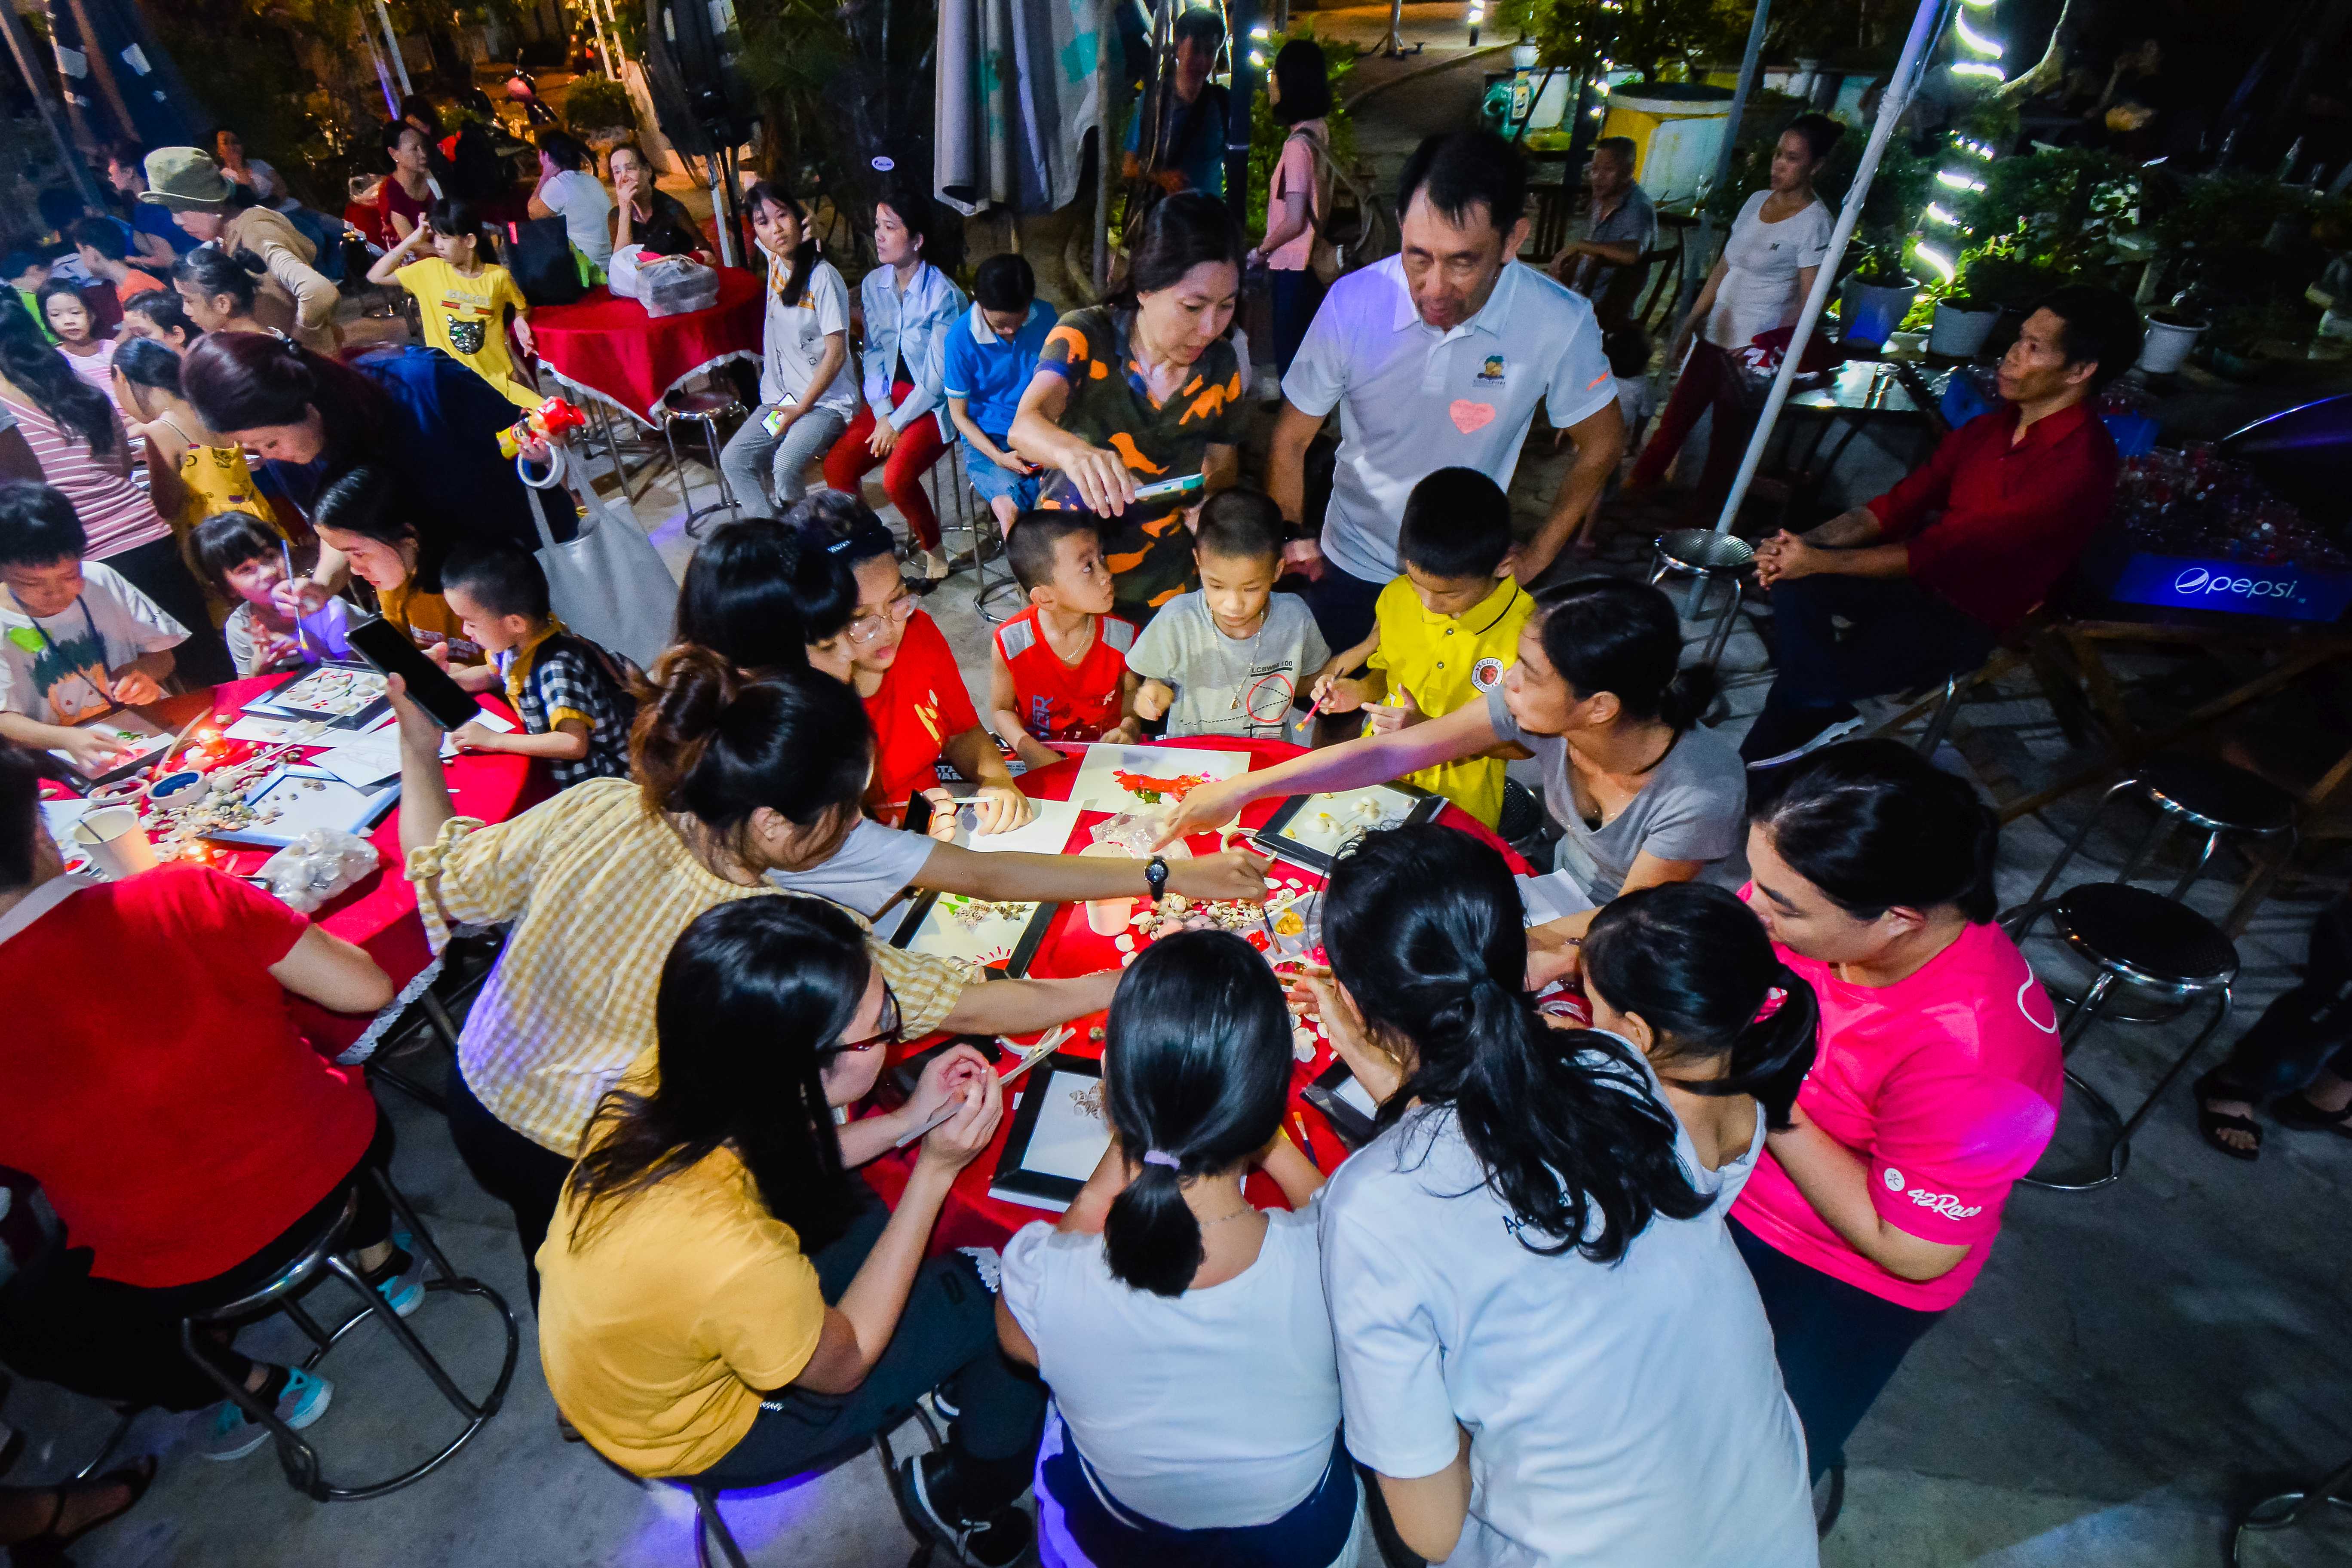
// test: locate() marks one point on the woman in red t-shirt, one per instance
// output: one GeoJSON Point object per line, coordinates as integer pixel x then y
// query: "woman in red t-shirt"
{"type": "Point", "coordinates": [1937, 1084]}
{"type": "Point", "coordinates": [903, 669]}
{"type": "Point", "coordinates": [187, 1134]}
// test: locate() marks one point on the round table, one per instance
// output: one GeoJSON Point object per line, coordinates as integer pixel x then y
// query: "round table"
{"type": "Point", "coordinates": [378, 912]}
{"type": "Point", "coordinates": [974, 1218]}
{"type": "Point", "coordinates": [606, 346]}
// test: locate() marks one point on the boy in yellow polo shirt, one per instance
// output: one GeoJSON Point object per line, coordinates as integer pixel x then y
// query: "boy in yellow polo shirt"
{"type": "Point", "coordinates": [1445, 632]}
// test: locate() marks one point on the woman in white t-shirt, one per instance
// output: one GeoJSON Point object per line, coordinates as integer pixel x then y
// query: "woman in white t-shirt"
{"type": "Point", "coordinates": [1546, 1353]}
{"type": "Point", "coordinates": [1779, 241]}
{"type": "Point", "coordinates": [569, 189]}
{"type": "Point", "coordinates": [805, 401]}
{"type": "Point", "coordinates": [1183, 1331]}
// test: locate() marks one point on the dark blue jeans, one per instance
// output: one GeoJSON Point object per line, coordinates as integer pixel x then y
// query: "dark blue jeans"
{"type": "Point", "coordinates": [1900, 636]}
{"type": "Point", "coordinates": [1296, 296]}
{"type": "Point", "coordinates": [1837, 1345]}
{"type": "Point", "coordinates": [2309, 1029]}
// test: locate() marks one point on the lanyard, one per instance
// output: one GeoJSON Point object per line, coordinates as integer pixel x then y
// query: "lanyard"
{"type": "Point", "coordinates": [90, 623]}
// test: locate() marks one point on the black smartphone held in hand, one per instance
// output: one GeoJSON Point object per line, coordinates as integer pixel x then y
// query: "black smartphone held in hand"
{"type": "Point", "coordinates": [392, 651]}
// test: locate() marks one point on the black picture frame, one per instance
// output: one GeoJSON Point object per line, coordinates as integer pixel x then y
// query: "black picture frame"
{"type": "Point", "coordinates": [269, 705]}
{"type": "Point", "coordinates": [1275, 841]}
{"type": "Point", "coordinates": [1033, 1188]}
{"type": "Point", "coordinates": [1024, 951]}
{"type": "Point", "coordinates": [1351, 1126]}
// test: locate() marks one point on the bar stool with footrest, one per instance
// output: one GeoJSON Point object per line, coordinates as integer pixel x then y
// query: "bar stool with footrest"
{"type": "Point", "coordinates": [705, 408]}
{"type": "Point", "coordinates": [1709, 558]}
{"type": "Point", "coordinates": [976, 517]}
{"type": "Point", "coordinates": [283, 1293]}
{"type": "Point", "coordinates": [2284, 1511]}
{"type": "Point", "coordinates": [2207, 796]}
{"type": "Point", "coordinates": [2139, 940]}
{"type": "Point", "coordinates": [710, 1525]}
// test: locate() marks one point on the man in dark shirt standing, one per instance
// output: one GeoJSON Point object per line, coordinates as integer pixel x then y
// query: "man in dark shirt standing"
{"type": "Point", "coordinates": [2020, 489]}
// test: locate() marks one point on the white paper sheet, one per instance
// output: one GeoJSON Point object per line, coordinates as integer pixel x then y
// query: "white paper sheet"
{"type": "Point", "coordinates": [1552, 897]}
{"type": "Point", "coordinates": [1072, 1129]}
{"type": "Point", "coordinates": [1327, 823]}
{"type": "Point", "coordinates": [988, 939]}
{"type": "Point", "coordinates": [1047, 833]}
{"type": "Point", "coordinates": [301, 808]}
{"type": "Point", "coordinates": [1352, 1090]}
{"type": "Point", "coordinates": [1097, 787]}
{"type": "Point", "coordinates": [264, 730]}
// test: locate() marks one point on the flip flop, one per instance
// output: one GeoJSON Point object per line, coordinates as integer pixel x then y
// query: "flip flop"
{"type": "Point", "coordinates": [2212, 1123]}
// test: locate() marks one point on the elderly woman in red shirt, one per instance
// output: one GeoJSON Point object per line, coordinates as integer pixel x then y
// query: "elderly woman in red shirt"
{"type": "Point", "coordinates": [188, 1137]}
{"type": "Point", "coordinates": [905, 673]}
{"type": "Point", "coordinates": [2020, 491]}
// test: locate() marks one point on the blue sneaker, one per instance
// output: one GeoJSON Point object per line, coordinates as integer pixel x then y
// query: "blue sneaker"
{"type": "Point", "coordinates": [234, 1434]}
{"type": "Point", "coordinates": [403, 1293]}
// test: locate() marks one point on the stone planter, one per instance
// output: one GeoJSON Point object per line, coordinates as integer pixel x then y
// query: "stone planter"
{"type": "Point", "coordinates": [2170, 339]}
{"type": "Point", "coordinates": [1959, 332]}
{"type": "Point", "coordinates": [1871, 311]}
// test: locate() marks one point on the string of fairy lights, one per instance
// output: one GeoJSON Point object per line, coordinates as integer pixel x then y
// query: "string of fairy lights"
{"type": "Point", "coordinates": [1977, 60]}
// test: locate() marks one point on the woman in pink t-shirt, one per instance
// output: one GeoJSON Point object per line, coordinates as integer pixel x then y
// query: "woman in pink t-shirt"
{"type": "Point", "coordinates": [1299, 91]}
{"type": "Point", "coordinates": [1935, 1086]}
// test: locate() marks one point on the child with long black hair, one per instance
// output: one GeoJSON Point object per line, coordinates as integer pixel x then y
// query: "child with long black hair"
{"type": "Point", "coordinates": [1685, 973]}
{"type": "Point", "coordinates": [1183, 1330]}
{"type": "Point", "coordinates": [722, 1298]}
{"type": "Point", "coordinates": [1547, 1351]}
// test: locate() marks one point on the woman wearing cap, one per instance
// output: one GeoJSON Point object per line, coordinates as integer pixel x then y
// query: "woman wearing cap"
{"type": "Point", "coordinates": [294, 296]}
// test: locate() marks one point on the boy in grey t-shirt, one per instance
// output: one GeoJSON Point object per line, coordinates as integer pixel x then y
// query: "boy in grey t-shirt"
{"type": "Point", "coordinates": [1233, 657]}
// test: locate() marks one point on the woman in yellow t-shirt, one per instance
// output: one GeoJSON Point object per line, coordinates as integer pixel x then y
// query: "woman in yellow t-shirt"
{"type": "Point", "coordinates": [462, 295]}
{"type": "Point", "coordinates": [721, 1299]}
{"type": "Point", "coordinates": [390, 554]}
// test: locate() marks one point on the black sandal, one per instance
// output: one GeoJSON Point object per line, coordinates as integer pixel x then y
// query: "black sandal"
{"type": "Point", "coordinates": [49, 1546]}
{"type": "Point", "coordinates": [2212, 1123]}
{"type": "Point", "coordinates": [2295, 1110]}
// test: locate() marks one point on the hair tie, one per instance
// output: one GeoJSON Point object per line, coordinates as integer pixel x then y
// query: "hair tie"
{"type": "Point", "coordinates": [1160, 1157]}
{"type": "Point", "coordinates": [838, 545]}
{"type": "Point", "coordinates": [1773, 996]}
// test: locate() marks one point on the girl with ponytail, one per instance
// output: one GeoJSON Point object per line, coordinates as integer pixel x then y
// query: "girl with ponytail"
{"type": "Point", "coordinates": [1641, 796]}
{"type": "Point", "coordinates": [734, 777]}
{"type": "Point", "coordinates": [1532, 1251]}
{"type": "Point", "coordinates": [1684, 974]}
{"type": "Point", "coordinates": [1181, 1329]}
{"type": "Point", "coordinates": [723, 1298]}
{"type": "Point", "coordinates": [1938, 1079]}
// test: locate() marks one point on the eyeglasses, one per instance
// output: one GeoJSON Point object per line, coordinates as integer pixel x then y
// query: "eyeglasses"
{"type": "Point", "coordinates": [868, 627]}
{"type": "Point", "coordinates": [890, 1031]}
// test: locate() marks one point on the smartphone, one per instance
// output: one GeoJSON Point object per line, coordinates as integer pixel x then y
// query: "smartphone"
{"type": "Point", "coordinates": [392, 651]}
{"type": "Point", "coordinates": [1166, 488]}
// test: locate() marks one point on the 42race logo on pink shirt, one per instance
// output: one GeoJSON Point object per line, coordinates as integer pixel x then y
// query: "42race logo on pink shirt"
{"type": "Point", "coordinates": [1945, 1204]}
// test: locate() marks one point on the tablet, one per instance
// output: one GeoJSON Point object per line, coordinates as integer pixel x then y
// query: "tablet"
{"type": "Point", "coordinates": [1311, 830]}
{"type": "Point", "coordinates": [1004, 936]}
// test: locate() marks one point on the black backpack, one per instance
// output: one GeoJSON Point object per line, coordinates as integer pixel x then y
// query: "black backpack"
{"type": "Point", "coordinates": [540, 255]}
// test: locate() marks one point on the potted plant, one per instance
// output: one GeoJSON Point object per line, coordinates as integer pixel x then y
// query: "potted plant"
{"type": "Point", "coordinates": [598, 111]}
{"type": "Point", "coordinates": [2172, 331]}
{"type": "Point", "coordinates": [1878, 295]}
{"type": "Point", "coordinates": [1962, 321]}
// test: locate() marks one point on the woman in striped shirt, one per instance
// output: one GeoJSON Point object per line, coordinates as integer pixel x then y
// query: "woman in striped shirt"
{"type": "Point", "coordinates": [78, 440]}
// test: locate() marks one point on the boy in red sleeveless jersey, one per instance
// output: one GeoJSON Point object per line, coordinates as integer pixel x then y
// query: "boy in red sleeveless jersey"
{"type": "Point", "coordinates": [1057, 671]}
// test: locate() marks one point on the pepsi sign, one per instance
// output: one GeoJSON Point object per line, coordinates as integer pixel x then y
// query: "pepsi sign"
{"type": "Point", "coordinates": [2283, 591]}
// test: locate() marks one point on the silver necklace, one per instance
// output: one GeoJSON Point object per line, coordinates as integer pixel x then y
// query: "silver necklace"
{"type": "Point", "coordinates": [1249, 655]}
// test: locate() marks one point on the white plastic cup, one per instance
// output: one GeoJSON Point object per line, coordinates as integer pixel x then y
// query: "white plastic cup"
{"type": "Point", "coordinates": [115, 842]}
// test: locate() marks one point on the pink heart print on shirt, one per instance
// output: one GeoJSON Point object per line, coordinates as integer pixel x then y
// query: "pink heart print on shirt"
{"type": "Point", "coordinates": [1470, 417]}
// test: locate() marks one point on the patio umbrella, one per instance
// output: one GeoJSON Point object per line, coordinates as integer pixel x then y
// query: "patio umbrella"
{"type": "Point", "coordinates": [1016, 94]}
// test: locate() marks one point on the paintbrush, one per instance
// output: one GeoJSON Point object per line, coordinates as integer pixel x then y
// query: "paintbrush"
{"type": "Point", "coordinates": [1030, 1056]}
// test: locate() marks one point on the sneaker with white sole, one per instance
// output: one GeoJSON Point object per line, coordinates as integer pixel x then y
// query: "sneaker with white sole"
{"type": "Point", "coordinates": [997, 1542]}
{"type": "Point", "coordinates": [402, 1290]}
{"type": "Point", "coordinates": [1830, 733]}
{"type": "Point", "coordinates": [234, 1434]}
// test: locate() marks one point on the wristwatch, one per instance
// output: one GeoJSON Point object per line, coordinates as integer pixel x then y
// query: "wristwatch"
{"type": "Point", "coordinates": [1155, 876]}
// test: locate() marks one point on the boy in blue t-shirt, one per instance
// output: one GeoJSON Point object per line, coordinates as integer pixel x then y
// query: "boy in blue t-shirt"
{"type": "Point", "coordinates": [991, 353]}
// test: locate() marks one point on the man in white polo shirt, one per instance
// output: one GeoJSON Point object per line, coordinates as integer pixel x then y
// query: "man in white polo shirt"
{"type": "Point", "coordinates": [1436, 358]}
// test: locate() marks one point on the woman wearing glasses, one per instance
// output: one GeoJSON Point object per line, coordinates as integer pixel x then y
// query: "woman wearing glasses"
{"type": "Point", "coordinates": [724, 1299]}
{"type": "Point", "coordinates": [733, 777]}
{"type": "Point", "coordinates": [900, 665]}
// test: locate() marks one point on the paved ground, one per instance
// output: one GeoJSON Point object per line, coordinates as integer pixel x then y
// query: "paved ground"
{"type": "Point", "coordinates": [2131, 1361]}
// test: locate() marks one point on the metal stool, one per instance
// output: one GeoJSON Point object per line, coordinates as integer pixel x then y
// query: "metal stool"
{"type": "Point", "coordinates": [710, 1525]}
{"type": "Point", "coordinates": [705, 408]}
{"type": "Point", "coordinates": [2141, 940]}
{"type": "Point", "coordinates": [282, 1294]}
{"type": "Point", "coordinates": [2284, 1511]}
{"type": "Point", "coordinates": [2212, 798]}
{"type": "Point", "coordinates": [1708, 557]}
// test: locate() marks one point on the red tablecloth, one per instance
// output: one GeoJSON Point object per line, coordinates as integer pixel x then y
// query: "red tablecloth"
{"type": "Point", "coordinates": [608, 346]}
{"type": "Point", "coordinates": [974, 1218]}
{"type": "Point", "coordinates": [378, 912]}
